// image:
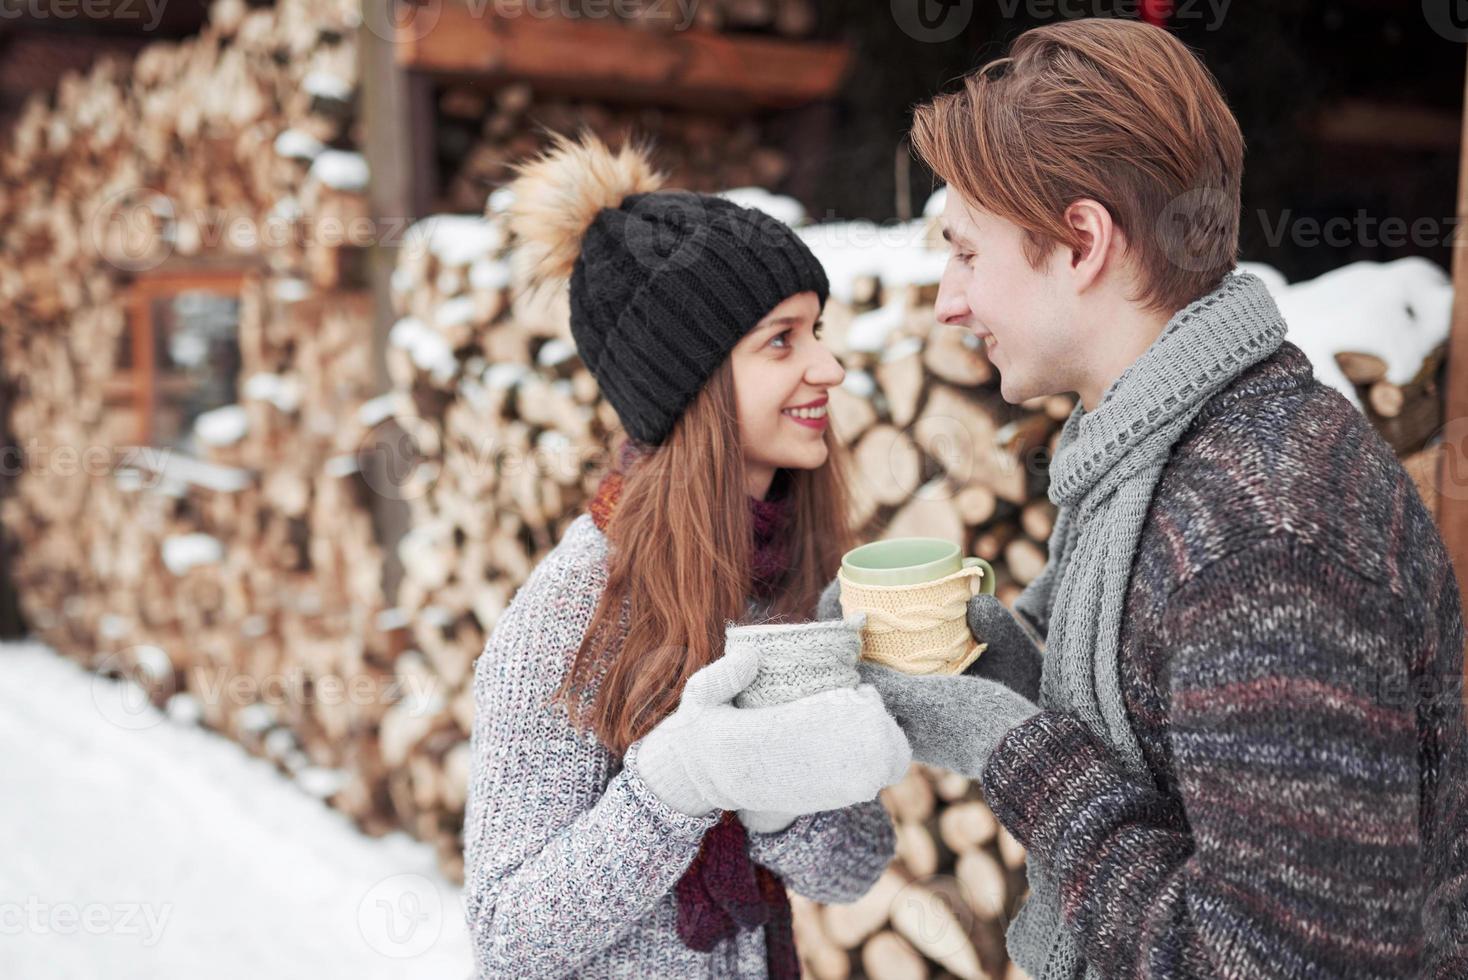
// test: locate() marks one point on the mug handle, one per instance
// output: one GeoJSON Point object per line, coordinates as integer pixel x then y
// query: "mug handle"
{"type": "Point", "coordinates": [987, 585]}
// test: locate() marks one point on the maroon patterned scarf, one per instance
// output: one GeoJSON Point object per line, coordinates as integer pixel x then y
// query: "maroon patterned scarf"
{"type": "Point", "coordinates": [723, 891]}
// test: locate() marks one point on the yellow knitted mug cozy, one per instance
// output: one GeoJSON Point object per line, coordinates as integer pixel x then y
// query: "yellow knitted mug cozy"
{"type": "Point", "coordinates": [920, 628]}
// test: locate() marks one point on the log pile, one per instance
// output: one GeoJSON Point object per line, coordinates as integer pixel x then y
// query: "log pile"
{"type": "Point", "coordinates": [1406, 415]}
{"type": "Point", "coordinates": [940, 909]}
{"type": "Point", "coordinates": [482, 135]}
{"type": "Point", "coordinates": [237, 583]}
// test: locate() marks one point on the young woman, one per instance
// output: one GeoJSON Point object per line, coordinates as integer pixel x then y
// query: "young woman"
{"type": "Point", "coordinates": [624, 819]}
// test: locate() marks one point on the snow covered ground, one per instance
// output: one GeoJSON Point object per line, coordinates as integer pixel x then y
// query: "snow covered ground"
{"type": "Point", "coordinates": [162, 850]}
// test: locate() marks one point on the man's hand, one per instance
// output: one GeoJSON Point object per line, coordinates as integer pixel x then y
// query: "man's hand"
{"type": "Point", "coordinates": [829, 605]}
{"type": "Point", "coordinates": [953, 722]}
{"type": "Point", "coordinates": [1013, 657]}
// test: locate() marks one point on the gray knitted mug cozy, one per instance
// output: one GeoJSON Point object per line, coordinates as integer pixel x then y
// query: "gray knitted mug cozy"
{"type": "Point", "coordinates": [798, 659]}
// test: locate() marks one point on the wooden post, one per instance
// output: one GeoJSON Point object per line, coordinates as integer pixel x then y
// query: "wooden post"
{"type": "Point", "coordinates": [10, 621]}
{"type": "Point", "coordinates": [398, 145]}
{"type": "Point", "coordinates": [1452, 513]}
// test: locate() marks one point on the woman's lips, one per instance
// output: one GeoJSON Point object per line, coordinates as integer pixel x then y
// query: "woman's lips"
{"type": "Point", "coordinates": [819, 422]}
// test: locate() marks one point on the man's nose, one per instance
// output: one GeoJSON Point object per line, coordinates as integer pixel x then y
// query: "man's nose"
{"type": "Point", "coordinates": [951, 307]}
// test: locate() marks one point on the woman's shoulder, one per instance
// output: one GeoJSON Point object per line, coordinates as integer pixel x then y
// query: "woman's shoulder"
{"type": "Point", "coordinates": [580, 555]}
{"type": "Point", "coordinates": [550, 613]}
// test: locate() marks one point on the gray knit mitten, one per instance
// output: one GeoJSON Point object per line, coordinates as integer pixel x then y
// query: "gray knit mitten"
{"type": "Point", "coordinates": [829, 604]}
{"type": "Point", "coordinates": [825, 751]}
{"type": "Point", "coordinates": [795, 659]}
{"type": "Point", "coordinates": [951, 722]}
{"type": "Point", "coordinates": [1013, 657]}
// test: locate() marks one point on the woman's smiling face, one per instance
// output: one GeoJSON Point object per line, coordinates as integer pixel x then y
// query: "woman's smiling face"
{"type": "Point", "coordinates": [782, 373]}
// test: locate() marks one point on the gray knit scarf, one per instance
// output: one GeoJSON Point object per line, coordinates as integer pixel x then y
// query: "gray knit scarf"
{"type": "Point", "coordinates": [1102, 477]}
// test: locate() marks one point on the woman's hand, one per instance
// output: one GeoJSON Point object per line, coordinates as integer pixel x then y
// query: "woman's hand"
{"type": "Point", "coordinates": [819, 646]}
{"type": "Point", "coordinates": [822, 752]}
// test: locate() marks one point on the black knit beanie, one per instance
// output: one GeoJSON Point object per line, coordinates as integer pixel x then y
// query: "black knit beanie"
{"type": "Point", "coordinates": [664, 283]}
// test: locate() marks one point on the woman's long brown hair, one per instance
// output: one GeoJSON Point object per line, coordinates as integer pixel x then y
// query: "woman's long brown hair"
{"type": "Point", "coordinates": [679, 567]}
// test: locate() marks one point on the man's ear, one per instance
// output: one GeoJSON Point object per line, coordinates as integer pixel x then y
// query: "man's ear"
{"type": "Point", "coordinates": [1098, 233]}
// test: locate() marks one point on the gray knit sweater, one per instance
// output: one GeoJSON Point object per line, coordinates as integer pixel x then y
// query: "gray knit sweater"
{"type": "Point", "coordinates": [570, 859]}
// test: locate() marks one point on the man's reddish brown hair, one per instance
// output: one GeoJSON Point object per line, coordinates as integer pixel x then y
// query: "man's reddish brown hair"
{"type": "Point", "coordinates": [1112, 110]}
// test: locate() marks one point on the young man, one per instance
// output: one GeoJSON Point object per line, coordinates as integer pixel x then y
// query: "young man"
{"type": "Point", "coordinates": [1242, 753]}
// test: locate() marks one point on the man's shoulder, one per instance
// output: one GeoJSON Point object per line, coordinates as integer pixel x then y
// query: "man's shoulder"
{"type": "Point", "coordinates": [1278, 453]}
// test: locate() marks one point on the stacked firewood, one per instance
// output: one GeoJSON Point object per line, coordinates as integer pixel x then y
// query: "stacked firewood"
{"type": "Point", "coordinates": [942, 906]}
{"type": "Point", "coordinates": [1409, 415]}
{"type": "Point", "coordinates": [234, 576]}
{"type": "Point", "coordinates": [482, 136]}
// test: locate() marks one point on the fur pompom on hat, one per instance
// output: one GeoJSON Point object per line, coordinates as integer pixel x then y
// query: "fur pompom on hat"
{"type": "Point", "coordinates": [663, 283]}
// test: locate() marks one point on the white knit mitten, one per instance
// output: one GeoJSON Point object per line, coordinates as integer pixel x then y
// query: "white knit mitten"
{"type": "Point", "coordinates": [796, 659]}
{"type": "Point", "coordinates": [821, 752]}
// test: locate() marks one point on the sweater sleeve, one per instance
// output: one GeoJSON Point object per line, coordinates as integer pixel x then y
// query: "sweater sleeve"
{"type": "Point", "coordinates": [1296, 850]}
{"type": "Point", "coordinates": [833, 856]}
{"type": "Point", "coordinates": [563, 851]}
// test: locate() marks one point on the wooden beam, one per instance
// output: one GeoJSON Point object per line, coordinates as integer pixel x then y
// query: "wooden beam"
{"type": "Point", "coordinates": [603, 60]}
{"type": "Point", "coordinates": [1452, 513]}
{"type": "Point", "coordinates": [1399, 126]}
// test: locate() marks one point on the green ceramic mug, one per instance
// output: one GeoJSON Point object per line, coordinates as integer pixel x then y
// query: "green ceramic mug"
{"type": "Point", "coordinates": [910, 561]}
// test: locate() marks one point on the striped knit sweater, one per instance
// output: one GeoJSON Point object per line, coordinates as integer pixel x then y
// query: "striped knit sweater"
{"type": "Point", "coordinates": [570, 859]}
{"type": "Point", "coordinates": [1291, 659]}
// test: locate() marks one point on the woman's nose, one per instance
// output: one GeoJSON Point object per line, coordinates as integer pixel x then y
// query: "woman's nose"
{"type": "Point", "coordinates": [827, 370]}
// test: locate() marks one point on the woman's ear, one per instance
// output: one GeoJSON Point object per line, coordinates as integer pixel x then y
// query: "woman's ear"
{"type": "Point", "coordinates": [1092, 223]}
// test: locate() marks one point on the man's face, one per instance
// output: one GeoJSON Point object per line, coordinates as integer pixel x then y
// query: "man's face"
{"type": "Point", "coordinates": [1025, 316]}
